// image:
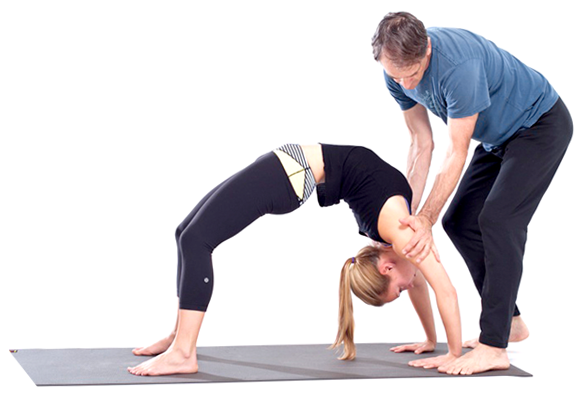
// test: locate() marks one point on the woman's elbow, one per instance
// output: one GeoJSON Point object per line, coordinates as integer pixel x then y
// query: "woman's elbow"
{"type": "Point", "coordinates": [445, 292]}
{"type": "Point", "coordinates": [449, 294]}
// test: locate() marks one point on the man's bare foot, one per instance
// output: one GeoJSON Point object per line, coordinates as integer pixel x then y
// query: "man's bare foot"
{"type": "Point", "coordinates": [481, 359]}
{"type": "Point", "coordinates": [518, 332]}
{"type": "Point", "coordinates": [155, 349]}
{"type": "Point", "coordinates": [168, 363]}
{"type": "Point", "coordinates": [471, 344]}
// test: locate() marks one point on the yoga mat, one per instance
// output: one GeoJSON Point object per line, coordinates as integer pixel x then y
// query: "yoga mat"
{"type": "Point", "coordinates": [65, 367]}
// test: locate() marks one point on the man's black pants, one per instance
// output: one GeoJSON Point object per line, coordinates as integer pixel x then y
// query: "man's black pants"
{"type": "Point", "coordinates": [489, 215]}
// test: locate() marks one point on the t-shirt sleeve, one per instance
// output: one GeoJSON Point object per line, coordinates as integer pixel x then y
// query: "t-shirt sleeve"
{"type": "Point", "coordinates": [396, 91]}
{"type": "Point", "coordinates": [466, 89]}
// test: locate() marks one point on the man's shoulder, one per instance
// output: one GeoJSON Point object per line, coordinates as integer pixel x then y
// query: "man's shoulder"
{"type": "Point", "coordinates": [456, 46]}
{"type": "Point", "coordinates": [455, 33]}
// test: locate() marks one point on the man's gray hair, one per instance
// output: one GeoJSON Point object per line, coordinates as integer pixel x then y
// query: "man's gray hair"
{"type": "Point", "coordinates": [401, 38]}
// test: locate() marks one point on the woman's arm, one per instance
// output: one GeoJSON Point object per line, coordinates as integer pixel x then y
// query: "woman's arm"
{"type": "Point", "coordinates": [419, 296]}
{"type": "Point", "coordinates": [399, 235]}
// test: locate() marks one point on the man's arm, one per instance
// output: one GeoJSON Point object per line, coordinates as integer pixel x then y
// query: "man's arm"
{"type": "Point", "coordinates": [420, 152]}
{"type": "Point", "coordinates": [460, 132]}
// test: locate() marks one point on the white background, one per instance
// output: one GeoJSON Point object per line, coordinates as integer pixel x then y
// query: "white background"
{"type": "Point", "coordinates": [118, 116]}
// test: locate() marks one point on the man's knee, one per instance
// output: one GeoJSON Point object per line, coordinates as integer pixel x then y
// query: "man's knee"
{"type": "Point", "coordinates": [491, 219]}
{"type": "Point", "coordinates": [448, 224]}
{"type": "Point", "coordinates": [454, 223]}
{"type": "Point", "coordinates": [497, 220]}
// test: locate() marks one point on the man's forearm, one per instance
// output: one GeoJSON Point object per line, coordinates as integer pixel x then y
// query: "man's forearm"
{"type": "Point", "coordinates": [460, 132]}
{"type": "Point", "coordinates": [417, 171]}
{"type": "Point", "coordinates": [420, 152]}
{"type": "Point", "coordinates": [444, 186]}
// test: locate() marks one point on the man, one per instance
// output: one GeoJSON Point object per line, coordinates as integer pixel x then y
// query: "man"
{"type": "Point", "coordinates": [480, 92]}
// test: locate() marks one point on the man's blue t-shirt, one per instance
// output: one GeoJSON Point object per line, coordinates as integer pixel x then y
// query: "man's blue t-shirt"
{"type": "Point", "coordinates": [468, 74]}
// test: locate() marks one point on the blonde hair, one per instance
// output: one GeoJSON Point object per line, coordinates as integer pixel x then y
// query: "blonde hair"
{"type": "Point", "coordinates": [359, 274]}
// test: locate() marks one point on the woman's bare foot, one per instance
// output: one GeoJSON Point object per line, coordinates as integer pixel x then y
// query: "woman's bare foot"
{"type": "Point", "coordinates": [180, 356]}
{"type": "Point", "coordinates": [155, 349]}
{"type": "Point", "coordinates": [481, 359]}
{"type": "Point", "coordinates": [518, 332]}
{"type": "Point", "coordinates": [168, 363]}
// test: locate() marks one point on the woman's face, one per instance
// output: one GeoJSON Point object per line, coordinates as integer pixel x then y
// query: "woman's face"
{"type": "Point", "coordinates": [401, 272]}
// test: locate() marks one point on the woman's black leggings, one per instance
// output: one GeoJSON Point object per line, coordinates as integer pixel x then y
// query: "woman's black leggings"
{"type": "Point", "coordinates": [261, 188]}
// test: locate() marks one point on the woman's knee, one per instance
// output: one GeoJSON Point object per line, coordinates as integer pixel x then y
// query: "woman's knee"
{"type": "Point", "coordinates": [178, 232]}
{"type": "Point", "coordinates": [193, 237]}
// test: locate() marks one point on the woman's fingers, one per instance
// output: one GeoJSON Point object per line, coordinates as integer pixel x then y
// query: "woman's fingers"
{"type": "Point", "coordinates": [417, 348]}
{"type": "Point", "coordinates": [403, 348]}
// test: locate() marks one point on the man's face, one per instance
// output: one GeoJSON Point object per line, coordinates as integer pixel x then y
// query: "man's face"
{"type": "Point", "coordinates": [410, 76]}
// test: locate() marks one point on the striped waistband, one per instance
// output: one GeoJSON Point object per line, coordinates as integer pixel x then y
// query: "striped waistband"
{"type": "Point", "coordinates": [297, 169]}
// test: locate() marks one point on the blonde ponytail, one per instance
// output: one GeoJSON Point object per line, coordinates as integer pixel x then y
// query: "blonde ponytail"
{"type": "Point", "coordinates": [346, 322]}
{"type": "Point", "coordinates": [359, 275]}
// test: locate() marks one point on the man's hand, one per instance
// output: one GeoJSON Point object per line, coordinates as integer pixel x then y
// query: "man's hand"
{"type": "Point", "coordinates": [422, 242]}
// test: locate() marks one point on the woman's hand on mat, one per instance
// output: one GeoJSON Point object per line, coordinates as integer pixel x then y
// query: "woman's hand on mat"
{"type": "Point", "coordinates": [417, 348]}
{"type": "Point", "coordinates": [433, 362]}
{"type": "Point", "coordinates": [422, 242]}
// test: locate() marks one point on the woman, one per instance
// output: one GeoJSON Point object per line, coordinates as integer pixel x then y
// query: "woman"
{"type": "Point", "coordinates": [278, 183]}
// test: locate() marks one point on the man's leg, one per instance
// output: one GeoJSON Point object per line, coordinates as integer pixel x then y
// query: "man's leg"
{"type": "Point", "coordinates": [461, 218]}
{"type": "Point", "coordinates": [529, 163]}
{"type": "Point", "coordinates": [461, 224]}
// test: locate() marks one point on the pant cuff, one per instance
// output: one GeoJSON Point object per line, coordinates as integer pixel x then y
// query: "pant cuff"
{"type": "Point", "coordinates": [493, 342]}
